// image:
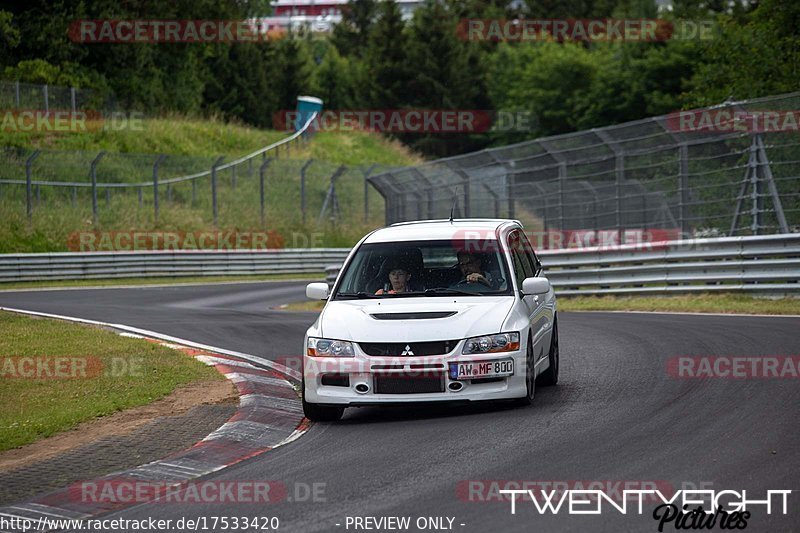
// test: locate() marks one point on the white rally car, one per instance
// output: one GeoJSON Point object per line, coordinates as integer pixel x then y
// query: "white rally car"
{"type": "Point", "coordinates": [432, 311]}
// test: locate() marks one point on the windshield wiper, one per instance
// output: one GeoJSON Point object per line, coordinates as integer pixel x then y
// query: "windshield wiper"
{"type": "Point", "coordinates": [359, 295]}
{"type": "Point", "coordinates": [447, 290]}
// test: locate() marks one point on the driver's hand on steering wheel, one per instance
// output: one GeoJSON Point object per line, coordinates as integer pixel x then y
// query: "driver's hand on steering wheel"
{"type": "Point", "coordinates": [475, 277]}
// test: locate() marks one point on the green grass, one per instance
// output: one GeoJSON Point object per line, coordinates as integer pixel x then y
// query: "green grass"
{"type": "Point", "coordinates": [308, 305]}
{"type": "Point", "coordinates": [212, 137]}
{"type": "Point", "coordinates": [116, 282]}
{"type": "Point", "coordinates": [700, 303]}
{"type": "Point", "coordinates": [59, 212]}
{"type": "Point", "coordinates": [37, 408]}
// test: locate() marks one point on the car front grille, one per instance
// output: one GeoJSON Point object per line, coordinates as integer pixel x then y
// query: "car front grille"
{"type": "Point", "coordinates": [405, 384]}
{"type": "Point", "coordinates": [407, 349]}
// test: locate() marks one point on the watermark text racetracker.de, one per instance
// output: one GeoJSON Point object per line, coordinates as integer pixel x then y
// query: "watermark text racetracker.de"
{"type": "Point", "coordinates": [422, 121]}
{"type": "Point", "coordinates": [734, 367]}
{"type": "Point", "coordinates": [163, 31]}
{"type": "Point", "coordinates": [68, 121]}
{"type": "Point", "coordinates": [135, 240]}
{"type": "Point", "coordinates": [728, 120]}
{"type": "Point", "coordinates": [124, 491]}
{"type": "Point", "coordinates": [568, 29]}
{"type": "Point", "coordinates": [41, 367]}
{"type": "Point", "coordinates": [184, 523]}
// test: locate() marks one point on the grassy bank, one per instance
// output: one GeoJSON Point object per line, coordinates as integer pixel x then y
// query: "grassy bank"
{"type": "Point", "coordinates": [98, 373]}
{"type": "Point", "coordinates": [193, 145]}
{"type": "Point", "coordinates": [699, 303]}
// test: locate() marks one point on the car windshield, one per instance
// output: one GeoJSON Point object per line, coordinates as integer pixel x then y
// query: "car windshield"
{"type": "Point", "coordinates": [425, 268]}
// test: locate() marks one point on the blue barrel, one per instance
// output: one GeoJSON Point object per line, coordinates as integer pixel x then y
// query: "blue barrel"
{"type": "Point", "coordinates": [306, 106]}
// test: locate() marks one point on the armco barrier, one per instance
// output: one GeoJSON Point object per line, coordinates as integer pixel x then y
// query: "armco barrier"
{"type": "Point", "coordinates": [97, 265]}
{"type": "Point", "coordinates": [768, 263]}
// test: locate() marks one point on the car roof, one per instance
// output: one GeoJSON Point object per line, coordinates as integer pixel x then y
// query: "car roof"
{"type": "Point", "coordinates": [435, 230]}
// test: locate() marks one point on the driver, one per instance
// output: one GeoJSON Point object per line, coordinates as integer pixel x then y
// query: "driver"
{"type": "Point", "coordinates": [471, 267]}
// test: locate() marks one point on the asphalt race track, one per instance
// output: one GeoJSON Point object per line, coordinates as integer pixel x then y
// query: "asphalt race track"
{"type": "Point", "coordinates": [617, 415]}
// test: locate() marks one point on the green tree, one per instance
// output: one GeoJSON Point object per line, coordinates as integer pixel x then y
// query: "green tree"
{"type": "Point", "coordinates": [335, 81]}
{"type": "Point", "coordinates": [546, 80]}
{"type": "Point", "coordinates": [290, 65]}
{"type": "Point", "coordinates": [350, 36]}
{"type": "Point", "coordinates": [386, 59]}
{"type": "Point", "coordinates": [757, 58]}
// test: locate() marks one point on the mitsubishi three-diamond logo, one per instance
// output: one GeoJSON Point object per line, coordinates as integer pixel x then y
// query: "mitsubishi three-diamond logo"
{"type": "Point", "coordinates": [407, 350]}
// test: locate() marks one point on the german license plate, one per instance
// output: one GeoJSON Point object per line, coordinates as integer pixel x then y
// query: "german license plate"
{"type": "Point", "coordinates": [482, 369]}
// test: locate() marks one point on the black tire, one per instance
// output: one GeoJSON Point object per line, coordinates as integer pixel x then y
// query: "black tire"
{"type": "Point", "coordinates": [530, 381]}
{"type": "Point", "coordinates": [549, 377]}
{"type": "Point", "coordinates": [320, 413]}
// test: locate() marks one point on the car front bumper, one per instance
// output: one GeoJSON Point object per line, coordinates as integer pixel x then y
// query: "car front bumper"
{"type": "Point", "coordinates": [410, 378]}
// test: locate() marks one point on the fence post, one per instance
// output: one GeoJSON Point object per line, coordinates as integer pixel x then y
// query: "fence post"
{"type": "Point", "coordinates": [46, 99]}
{"type": "Point", "coordinates": [467, 202]}
{"type": "Point", "coordinates": [495, 199]}
{"type": "Point", "coordinates": [74, 196]}
{"type": "Point", "coordinates": [331, 198]}
{"type": "Point", "coordinates": [261, 172]}
{"type": "Point", "coordinates": [303, 188]}
{"type": "Point", "coordinates": [683, 188]}
{"type": "Point", "coordinates": [562, 176]}
{"type": "Point", "coordinates": [141, 200]}
{"type": "Point", "coordinates": [214, 187]}
{"type": "Point", "coordinates": [156, 164]}
{"type": "Point", "coordinates": [73, 99]}
{"type": "Point", "coordinates": [366, 191]}
{"type": "Point", "coordinates": [93, 173]}
{"type": "Point", "coordinates": [169, 193]}
{"type": "Point", "coordinates": [28, 188]}
{"type": "Point", "coordinates": [108, 196]}
{"type": "Point", "coordinates": [16, 93]}
{"type": "Point", "coordinates": [510, 183]}
{"type": "Point", "coordinates": [619, 160]}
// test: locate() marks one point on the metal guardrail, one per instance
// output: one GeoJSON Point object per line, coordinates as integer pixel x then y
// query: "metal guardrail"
{"type": "Point", "coordinates": [109, 265]}
{"type": "Point", "coordinates": [768, 263]}
{"type": "Point", "coordinates": [759, 264]}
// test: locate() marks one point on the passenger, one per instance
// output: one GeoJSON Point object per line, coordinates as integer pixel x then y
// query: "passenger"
{"type": "Point", "coordinates": [399, 277]}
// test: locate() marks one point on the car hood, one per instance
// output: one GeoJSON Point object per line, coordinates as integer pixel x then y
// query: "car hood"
{"type": "Point", "coordinates": [468, 316]}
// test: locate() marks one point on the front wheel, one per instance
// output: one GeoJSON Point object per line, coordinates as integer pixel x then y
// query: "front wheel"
{"type": "Point", "coordinates": [530, 380]}
{"type": "Point", "coordinates": [322, 413]}
{"type": "Point", "coordinates": [319, 413]}
{"type": "Point", "coordinates": [550, 376]}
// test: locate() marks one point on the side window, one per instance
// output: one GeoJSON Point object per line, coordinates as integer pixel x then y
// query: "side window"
{"type": "Point", "coordinates": [534, 261]}
{"type": "Point", "coordinates": [522, 268]}
{"type": "Point", "coordinates": [519, 269]}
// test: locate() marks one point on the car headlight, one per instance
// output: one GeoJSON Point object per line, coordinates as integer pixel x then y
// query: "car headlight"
{"type": "Point", "coordinates": [329, 348]}
{"type": "Point", "coordinates": [501, 342]}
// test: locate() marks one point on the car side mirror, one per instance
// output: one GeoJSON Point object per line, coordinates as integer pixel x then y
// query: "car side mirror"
{"type": "Point", "coordinates": [317, 291]}
{"type": "Point", "coordinates": [539, 285]}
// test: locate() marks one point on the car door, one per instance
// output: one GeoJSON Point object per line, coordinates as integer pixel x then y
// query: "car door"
{"type": "Point", "coordinates": [533, 304]}
{"type": "Point", "coordinates": [548, 301]}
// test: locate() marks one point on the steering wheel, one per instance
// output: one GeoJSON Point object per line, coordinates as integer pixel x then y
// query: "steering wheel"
{"type": "Point", "coordinates": [474, 286]}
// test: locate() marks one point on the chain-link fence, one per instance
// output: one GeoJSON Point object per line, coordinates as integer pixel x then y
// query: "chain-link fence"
{"type": "Point", "coordinates": [63, 192]}
{"type": "Point", "coordinates": [18, 95]}
{"type": "Point", "coordinates": [731, 169]}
